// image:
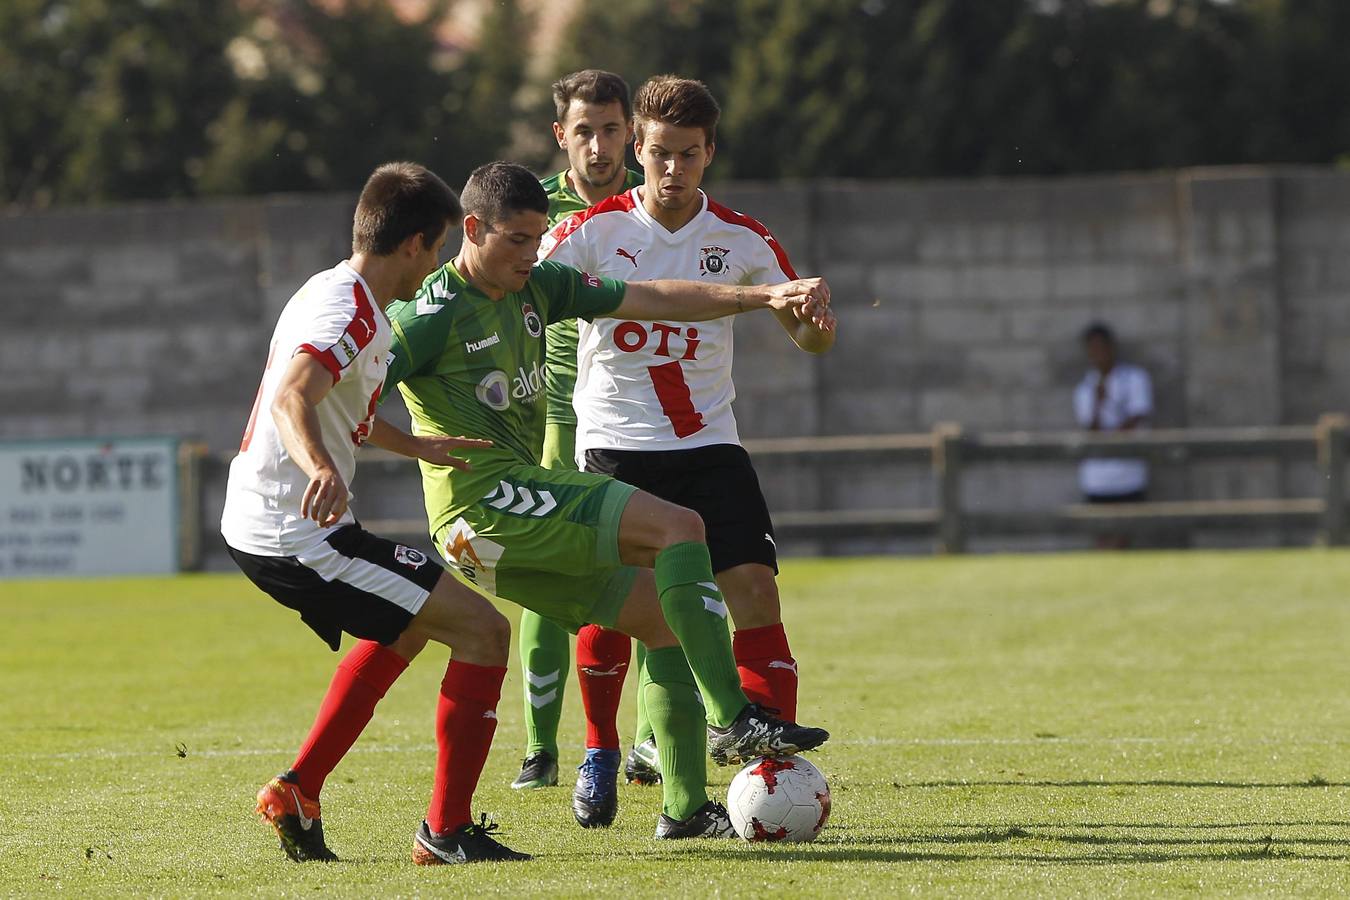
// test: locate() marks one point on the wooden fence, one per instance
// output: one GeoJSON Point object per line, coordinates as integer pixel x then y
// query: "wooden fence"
{"type": "Point", "coordinates": [950, 452]}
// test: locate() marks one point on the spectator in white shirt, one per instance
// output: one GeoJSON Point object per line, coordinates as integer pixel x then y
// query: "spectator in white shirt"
{"type": "Point", "coordinates": [1113, 396]}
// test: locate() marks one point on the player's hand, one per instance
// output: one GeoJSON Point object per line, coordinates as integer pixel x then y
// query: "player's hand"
{"type": "Point", "coordinates": [325, 499]}
{"type": "Point", "coordinates": [437, 450]}
{"type": "Point", "coordinates": [797, 293]}
{"type": "Point", "coordinates": [817, 314]}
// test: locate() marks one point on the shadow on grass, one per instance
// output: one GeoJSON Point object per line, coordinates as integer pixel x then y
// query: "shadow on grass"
{"type": "Point", "coordinates": [1159, 782]}
{"type": "Point", "coordinates": [1127, 849]}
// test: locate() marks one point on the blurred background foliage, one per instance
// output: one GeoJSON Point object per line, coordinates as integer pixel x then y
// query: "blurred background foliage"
{"type": "Point", "coordinates": [111, 100]}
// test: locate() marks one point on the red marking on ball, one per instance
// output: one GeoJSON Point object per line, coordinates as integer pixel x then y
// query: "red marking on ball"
{"type": "Point", "coordinates": [768, 771]}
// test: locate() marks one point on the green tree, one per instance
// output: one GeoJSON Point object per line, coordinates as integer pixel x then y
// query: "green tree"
{"type": "Point", "coordinates": [106, 100]}
{"type": "Point", "coordinates": [328, 95]}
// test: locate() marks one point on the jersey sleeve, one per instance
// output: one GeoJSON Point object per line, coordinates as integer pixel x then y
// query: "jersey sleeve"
{"type": "Point", "coordinates": [560, 246]}
{"type": "Point", "coordinates": [775, 267]}
{"type": "Point", "coordinates": [338, 331]}
{"type": "Point", "coordinates": [570, 293]}
{"type": "Point", "coordinates": [421, 328]}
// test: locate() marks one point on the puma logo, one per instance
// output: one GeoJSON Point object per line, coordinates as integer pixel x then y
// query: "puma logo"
{"type": "Point", "coordinates": [631, 257]}
{"type": "Point", "coordinates": [616, 669]}
{"type": "Point", "coordinates": [369, 329]}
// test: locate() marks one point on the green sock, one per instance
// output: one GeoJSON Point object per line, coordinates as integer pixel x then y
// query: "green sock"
{"type": "Point", "coordinates": [544, 655]}
{"type": "Point", "coordinates": [697, 614]}
{"type": "Point", "coordinates": [677, 719]}
{"type": "Point", "coordinates": [644, 724]}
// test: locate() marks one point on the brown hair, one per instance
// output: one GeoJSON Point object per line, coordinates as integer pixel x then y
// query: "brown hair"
{"type": "Point", "coordinates": [591, 86]}
{"type": "Point", "coordinates": [672, 100]}
{"type": "Point", "coordinates": [401, 199]}
{"type": "Point", "coordinates": [498, 190]}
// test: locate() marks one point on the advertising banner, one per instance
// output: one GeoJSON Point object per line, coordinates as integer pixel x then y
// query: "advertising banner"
{"type": "Point", "coordinates": [88, 507]}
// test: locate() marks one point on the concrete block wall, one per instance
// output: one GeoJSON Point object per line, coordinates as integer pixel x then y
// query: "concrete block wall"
{"type": "Point", "coordinates": [958, 301]}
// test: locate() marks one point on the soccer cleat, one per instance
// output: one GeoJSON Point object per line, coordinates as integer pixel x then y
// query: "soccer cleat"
{"type": "Point", "coordinates": [466, 844]}
{"type": "Point", "coordinates": [643, 765]}
{"type": "Point", "coordinates": [709, 820]}
{"type": "Point", "coordinates": [537, 770]}
{"type": "Point", "coordinates": [296, 819]}
{"type": "Point", "coordinates": [755, 733]}
{"type": "Point", "coordinates": [595, 799]}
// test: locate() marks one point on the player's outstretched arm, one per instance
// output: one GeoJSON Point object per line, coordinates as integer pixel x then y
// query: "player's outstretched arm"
{"type": "Point", "coordinates": [695, 301]}
{"type": "Point", "coordinates": [294, 409]}
{"type": "Point", "coordinates": [432, 448]}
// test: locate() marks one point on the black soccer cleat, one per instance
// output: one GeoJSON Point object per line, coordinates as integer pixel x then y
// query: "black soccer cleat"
{"type": "Point", "coordinates": [643, 765]}
{"type": "Point", "coordinates": [296, 820]}
{"type": "Point", "coordinates": [595, 799]}
{"type": "Point", "coordinates": [710, 820]}
{"type": "Point", "coordinates": [536, 771]}
{"type": "Point", "coordinates": [755, 733]}
{"type": "Point", "coordinates": [466, 844]}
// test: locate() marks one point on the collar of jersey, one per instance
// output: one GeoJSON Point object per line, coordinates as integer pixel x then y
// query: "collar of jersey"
{"type": "Point", "coordinates": [686, 231]}
{"type": "Point", "coordinates": [458, 281]}
{"type": "Point", "coordinates": [346, 264]}
{"type": "Point", "coordinates": [631, 180]}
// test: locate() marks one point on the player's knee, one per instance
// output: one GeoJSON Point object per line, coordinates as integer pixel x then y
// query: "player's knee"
{"type": "Point", "coordinates": [492, 636]}
{"type": "Point", "coordinates": [755, 606]}
{"type": "Point", "coordinates": [681, 525]}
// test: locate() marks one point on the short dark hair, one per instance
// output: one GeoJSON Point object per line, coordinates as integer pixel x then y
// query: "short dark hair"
{"type": "Point", "coordinates": [1101, 331]}
{"type": "Point", "coordinates": [673, 100]}
{"type": "Point", "coordinates": [401, 199]}
{"type": "Point", "coordinates": [591, 86]}
{"type": "Point", "coordinates": [499, 190]}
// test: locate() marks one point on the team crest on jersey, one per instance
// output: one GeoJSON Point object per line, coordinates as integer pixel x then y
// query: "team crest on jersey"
{"type": "Point", "coordinates": [494, 391]}
{"type": "Point", "coordinates": [712, 260]}
{"type": "Point", "coordinates": [410, 557]}
{"type": "Point", "coordinates": [533, 324]}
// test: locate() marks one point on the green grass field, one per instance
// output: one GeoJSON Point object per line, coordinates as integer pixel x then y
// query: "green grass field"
{"type": "Point", "coordinates": [1079, 725]}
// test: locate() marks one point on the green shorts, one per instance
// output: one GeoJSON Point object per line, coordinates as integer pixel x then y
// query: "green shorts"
{"type": "Point", "coordinates": [547, 540]}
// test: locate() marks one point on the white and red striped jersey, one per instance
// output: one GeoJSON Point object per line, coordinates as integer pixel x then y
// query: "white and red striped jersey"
{"type": "Point", "coordinates": [333, 318]}
{"type": "Point", "coordinates": [660, 385]}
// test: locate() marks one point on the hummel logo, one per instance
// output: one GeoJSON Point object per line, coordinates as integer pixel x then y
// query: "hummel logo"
{"type": "Point", "coordinates": [305, 821]}
{"type": "Point", "coordinates": [716, 607]}
{"type": "Point", "coordinates": [631, 257]}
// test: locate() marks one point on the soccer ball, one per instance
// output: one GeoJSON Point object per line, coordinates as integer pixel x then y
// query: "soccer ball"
{"type": "Point", "coordinates": [783, 799]}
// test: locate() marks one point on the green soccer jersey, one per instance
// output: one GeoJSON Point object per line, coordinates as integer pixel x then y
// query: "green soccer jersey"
{"type": "Point", "coordinates": [560, 376]}
{"type": "Point", "coordinates": [470, 365]}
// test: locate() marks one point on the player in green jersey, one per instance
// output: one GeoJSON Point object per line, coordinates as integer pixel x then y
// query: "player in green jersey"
{"type": "Point", "coordinates": [576, 547]}
{"type": "Point", "coordinates": [594, 128]}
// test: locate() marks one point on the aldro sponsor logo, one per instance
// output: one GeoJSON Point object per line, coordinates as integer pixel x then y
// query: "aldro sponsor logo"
{"type": "Point", "coordinates": [497, 389]}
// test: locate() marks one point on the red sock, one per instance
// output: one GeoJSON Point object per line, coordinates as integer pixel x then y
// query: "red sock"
{"type": "Point", "coordinates": [768, 671]}
{"type": "Point", "coordinates": [360, 682]}
{"type": "Point", "coordinates": [466, 719]}
{"type": "Point", "coordinates": [602, 662]}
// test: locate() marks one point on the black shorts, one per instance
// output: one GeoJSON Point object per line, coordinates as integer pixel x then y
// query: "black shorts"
{"type": "Point", "coordinates": [717, 482]}
{"type": "Point", "coordinates": [353, 581]}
